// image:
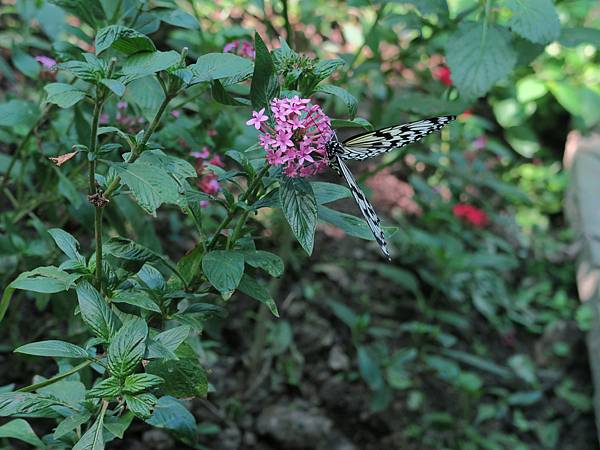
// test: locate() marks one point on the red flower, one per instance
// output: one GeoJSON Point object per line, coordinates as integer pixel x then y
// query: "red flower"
{"type": "Point", "coordinates": [475, 216]}
{"type": "Point", "coordinates": [442, 73]}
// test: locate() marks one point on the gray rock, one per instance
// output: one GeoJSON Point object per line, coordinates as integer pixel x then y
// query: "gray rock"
{"type": "Point", "coordinates": [338, 360]}
{"type": "Point", "coordinates": [295, 425]}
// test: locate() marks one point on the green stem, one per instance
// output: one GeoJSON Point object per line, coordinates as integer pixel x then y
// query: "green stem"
{"type": "Point", "coordinates": [98, 210]}
{"type": "Point", "coordinates": [233, 211]}
{"type": "Point", "coordinates": [363, 45]}
{"type": "Point", "coordinates": [288, 26]}
{"type": "Point", "coordinates": [55, 378]}
{"type": "Point", "coordinates": [23, 143]}
{"type": "Point", "coordinates": [93, 146]}
{"type": "Point", "coordinates": [139, 148]}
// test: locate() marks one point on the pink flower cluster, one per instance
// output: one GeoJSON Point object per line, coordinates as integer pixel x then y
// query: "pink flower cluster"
{"type": "Point", "coordinates": [208, 181]}
{"type": "Point", "coordinates": [443, 74]}
{"type": "Point", "coordinates": [297, 138]}
{"type": "Point", "coordinates": [240, 47]}
{"type": "Point", "coordinates": [475, 216]}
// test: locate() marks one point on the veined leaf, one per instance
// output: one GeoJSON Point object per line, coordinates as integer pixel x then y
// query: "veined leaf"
{"type": "Point", "coordinates": [127, 348]}
{"type": "Point", "coordinates": [95, 311]}
{"type": "Point", "coordinates": [53, 349]}
{"type": "Point", "coordinates": [224, 269]}
{"type": "Point", "coordinates": [300, 210]}
{"type": "Point", "coordinates": [123, 39]}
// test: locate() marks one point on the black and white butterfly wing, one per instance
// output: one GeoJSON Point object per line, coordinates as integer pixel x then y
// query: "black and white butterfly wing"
{"type": "Point", "coordinates": [376, 142]}
{"type": "Point", "coordinates": [365, 207]}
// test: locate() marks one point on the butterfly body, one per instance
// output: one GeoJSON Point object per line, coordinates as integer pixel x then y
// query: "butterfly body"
{"type": "Point", "coordinates": [373, 143]}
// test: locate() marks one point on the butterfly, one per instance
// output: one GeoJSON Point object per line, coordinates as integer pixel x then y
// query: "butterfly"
{"type": "Point", "coordinates": [373, 143]}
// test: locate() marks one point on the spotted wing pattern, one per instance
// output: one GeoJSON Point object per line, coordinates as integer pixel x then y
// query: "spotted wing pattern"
{"type": "Point", "coordinates": [365, 206]}
{"type": "Point", "coordinates": [374, 143]}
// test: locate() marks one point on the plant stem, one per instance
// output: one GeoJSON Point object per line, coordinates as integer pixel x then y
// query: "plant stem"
{"type": "Point", "coordinates": [363, 45]}
{"type": "Point", "coordinates": [288, 26]}
{"type": "Point", "coordinates": [23, 143]}
{"type": "Point", "coordinates": [139, 148]}
{"type": "Point", "coordinates": [56, 378]}
{"type": "Point", "coordinates": [233, 211]}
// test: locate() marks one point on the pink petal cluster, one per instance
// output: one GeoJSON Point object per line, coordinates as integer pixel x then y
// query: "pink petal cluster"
{"type": "Point", "coordinates": [296, 138]}
{"type": "Point", "coordinates": [208, 181]}
{"type": "Point", "coordinates": [240, 47]}
{"type": "Point", "coordinates": [471, 214]}
{"type": "Point", "coordinates": [46, 62]}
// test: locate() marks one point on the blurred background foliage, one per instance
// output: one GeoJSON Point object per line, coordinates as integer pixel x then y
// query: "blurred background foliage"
{"type": "Point", "coordinates": [471, 339]}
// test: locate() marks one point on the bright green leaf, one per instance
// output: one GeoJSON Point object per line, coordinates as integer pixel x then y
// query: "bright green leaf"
{"type": "Point", "coordinates": [224, 269]}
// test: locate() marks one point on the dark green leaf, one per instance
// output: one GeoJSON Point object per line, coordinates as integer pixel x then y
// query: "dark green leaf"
{"type": "Point", "coordinates": [143, 64]}
{"type": "Point", "coordinates": [369, 369]}
{"type": "Point", "coordinates": [218, 66]}
{"type": "Point", "coordinates": [48, 280]}
{"type": "Point", "coordinates": [93, 439]}
{"type": "Point", "coordinates": [185, 377]}
{"type": "Point", "coordinates": [478, 57]}
{"type": "Point", "coordinates": [155, 178]}
{"type": "Point", "coordinates": [62, 94]}
{"type": "Point", "coordinates": [266, 261]}
{"type": "Point", "coordinates": [572, 37]}
{"type": "Point", "coordinates": [90, 11]}
{"type": "Point", "coordinates": [257, 291]}
{"type": "Point", "coordinates": [348, 99]}
{"type": "Point", "coordinates": [70, 423]}
{"type": "Point", "coordinates": [115, 86]}
{"type": "Point", "coordinates": [139, 382]}
{"type": "Point", "coordinates": [329, 192]}
{"type": "Point", "coordinates": [137, 298]}
{"type": "Point", "coordinates": [224, 269]}
{"type": "Point", "coordinates": [15, 112]}
{"type": "Point", "coordinates": [171, 339]}
{"type": "Point", "coordinates": [171, 415]}
{"type": "Point", "coordinates": [299, 207]}
{"type": "Point", "coordinates": [123, 39]}
{"type": "Point", "coordinates": [25, 63]}
{"type": "Point", "coordinates": [141, 405]}
{"type": "Point", "coordinates": [67, 243]}
{"type": "Point", "coordinates": [95, 311]}
{"type": "Point", "coordinates": [535, 20]}
{"type": "Point", "coordinates": [21, 430]}
{"type": "Point", "coordinates": [111, 387]}
{"type": "Point", "coordinates": [264, 80]}
{"type": "Point", "coordinates": [53, 349]}
{"type": "Point", "coordinates": [127, 348]}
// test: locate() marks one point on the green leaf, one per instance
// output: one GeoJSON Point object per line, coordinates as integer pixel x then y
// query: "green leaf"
{"type": "Point", "coordinates": [123, 39]}
{"type": "Point", "coordinates": [137, 298]}
{"type": "Point", "coordinates": [369, 369]}
{"type": "Point", "coordinates": [70, 423]}
{"type": "Point", "coordinates": [15, 112]}
{"type": "Point", "coordinates": [357, 122]}
{"type": "Point", "coordinates": [95, 311]}
{"type": "Point", "coordinates": [143, 64]}
{"type": "Point", "coordinates": [129, 254]}
{"type": "Point", "coordinates": [147, 94]}
{"type": "Point", "coordinates": [254, 289]}
{"type": "Point", "coordinates": [524, 367]}
{"type": "Point", "coordinates": [155, 178]}
{"type": "Point", "coordinates": [169, 414]}
{"type": "Point", "coordinates": [300, 210]}
{"type": "Point", "coordinates": [90, 11]}
{"type": "Point", "coordinates": [25, 63]}
{"type": "Point", "coordinates": [115, 86]}
{"type": "Point", "coordinates": [352, 225]}
{"type": "Point", "coordinates": [348, 99]}
{"type": "Point", "coordinates": [173, 338]}
{"type": "Point", "coordinates": [264, 79]}
{"type": "Point", "coordinates": [21, 430]}
{"type": "Point", "coordinates": [185, 377]}
{"type": "Point", "coordinates": [67, 243]}
{"type": "Point", "coordinates": [224, 269]}
{"type": "Point", "coordinates": [63, 95]}
{"type": "Point", "coordinates": [179, 18]}
{"type": "Point", "coordinates": [572, 37]}
{"type": "Point", "coordinates": [127, 348]}
{"type": "Point", "coordinates": [109, 388]}
{"type": "Point", "coordinates": [478, 57]}
{"type": "Point", "coordinates": [329, 192]}
{"type": "Point", "coordinates": [48, 280]}
{"type": "Point", "coordinates": [118, 425]}
{"type": "Point", "coordinates": [141, 405]}
{"type": "Point", "coordinates": [84, 70]}
{"type": "Point", "coordinates": [139, 382]}
{"type": "Point", "coordinates": [580, 101]}
{"type": "Point", "coordinates": [93, 439]}
{"type": "Point", "coordinates": [221, 95]}
{"type": "Point", "coordinates": [266, 261]}
{"type": "Point", "coordinates": [218, 66]}
{"type": "Point", "coordinates": [53, 349]}
{"type": "Point", "coordinates": [535, 20]}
